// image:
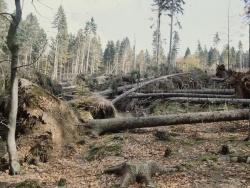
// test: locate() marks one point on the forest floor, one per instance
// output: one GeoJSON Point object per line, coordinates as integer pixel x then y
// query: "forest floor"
{"type": "Point", "coordinates": [195, 147]}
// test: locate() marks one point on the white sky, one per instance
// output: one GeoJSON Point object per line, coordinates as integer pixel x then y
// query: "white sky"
{"type": "Point", "coordinates": [117, 19]}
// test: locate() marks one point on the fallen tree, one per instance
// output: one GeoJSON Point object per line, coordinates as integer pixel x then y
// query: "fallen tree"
{"type": "Point", "coordinates": [210, 100]}
{"type": "Point", "coordinates": [138, 86]}
{"type": "Point", "coordinates": [119, 89]}
{"type": "Point", "coordinates": [168, 95]}
{"type": "Point", "coordinates": [99, 127]}
{"type": "Point", "coordinates": [206, 91]}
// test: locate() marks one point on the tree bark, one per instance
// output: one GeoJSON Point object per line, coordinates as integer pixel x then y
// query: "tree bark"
{"type": "Point", "coordinates": [87, 63]}
{"type": "Point", "coordinates": [14, 49]}
{"type": "Point", "coordinates": [55, 69]}
{"type": "Point", "coordinates": [168, 95]}
{"type": "Point", "coordinates": [119, 89]}
{"type": "Point", "coordinates": [210, 100]}
{"type": "Point", "coordinates": [171, 34]}
{"type": "Point", "coordinates": [206, 91]}
{"type": "Point", "coordinates": [158, 36]}
{"type": "Point", "coordinates": [100, 127]}
{"type": "Point", "coordinates": [144, 84]}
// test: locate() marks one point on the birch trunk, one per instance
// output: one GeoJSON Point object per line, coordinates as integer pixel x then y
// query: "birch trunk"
{"type": "Point", "coordinates": [14, 49]}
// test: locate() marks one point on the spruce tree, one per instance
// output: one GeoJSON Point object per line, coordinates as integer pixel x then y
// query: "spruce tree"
{"type": "Point", "coordinates": [62, 41]}
{"type": "Point", "coordinates": [187, 52]}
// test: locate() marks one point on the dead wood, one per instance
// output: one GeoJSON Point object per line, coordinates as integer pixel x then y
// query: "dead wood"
{"type": "Point", "coordinates": [99, 127]}
{"type": "Point", "coordinates": [119, 89]}
{"type": "Point", "coordinates": [168, 95]}
{"type": "Point", "coordinates": [210, 100]}
{"type": "Point", "coordinates": [144, 84]}
{"type": "Point", "coordinates": [206, 91]}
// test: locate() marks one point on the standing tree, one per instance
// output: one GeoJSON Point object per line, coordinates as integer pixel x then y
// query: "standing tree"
{"type": "Point", "coordinates": [247, 14]}
{"type": "Point", "coordinates": [61, 42]}
{"type": "Point", "coordinates": [187, 53]}
{"type": "Point", "coordinates": [90, 30]}
{"type": "Point", "coordinates": [173, 8]}
{"type": "Point", "coordinates": [175, 48]}
{"type": "Point", "coordinates": [216, 40]}
{"type": "Point", "coordinates": [158, 49]}
{"type": "Point", "coordinates": [32, 38]}
{"type": "Point", "coordinates": [239, 56]}
{"type": "Point", "coordinates": [13, 46]}
{"type": "Point", "coordinates": [109, 56]}
{"type": "Point", "coordinates": [160, 4]}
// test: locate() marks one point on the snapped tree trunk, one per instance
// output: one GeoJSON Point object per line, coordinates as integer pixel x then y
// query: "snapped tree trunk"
{"type": "Point", "coordinates": [100, 127]}
{"type": "Point", "coordinates": [14, 49]}
{"type": "Point", "coordinates": [144, 84]}
{"type": "Point", "coordinates": [168, 95]}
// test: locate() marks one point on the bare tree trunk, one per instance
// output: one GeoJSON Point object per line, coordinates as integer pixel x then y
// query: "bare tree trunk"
{"type": "Point", "coordinates": [46, 65]}
{"type": "Point", "coordinates": [87, 62]}
{"type": "Point", "coordinates": [55, 69]}
{"type": "Point", "coordinates": [171, 35]}
{"type": "Point", "coordinates": [103, 126]}
{"type": "Point", "coordinates": [210, 100]}
{"type": "Point", "coordinates": [158, 36]}
{"type": "Point", "coordinates": [168, 95]}
{"type": "Point", "coordinates": [82, 60]}
{"type": "Point", "coordinates": [14, 49]}
{"type": "Point", "coordinates": [206, 91]}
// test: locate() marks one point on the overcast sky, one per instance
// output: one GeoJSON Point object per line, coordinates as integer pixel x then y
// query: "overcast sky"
{"type": "Point", "coordinates": [117, 19]}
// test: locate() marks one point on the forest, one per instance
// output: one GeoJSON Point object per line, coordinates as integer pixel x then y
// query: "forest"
{"type": "Point", "coordinates": [79, 110]}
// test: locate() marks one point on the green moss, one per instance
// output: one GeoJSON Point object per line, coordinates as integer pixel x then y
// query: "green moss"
{"type": "Point", "coordinates": [247, 143]}
{"type": "Point", "coordinates": [160, 107]}
{"type": "Point", "coordinates": [191, 142]}
{"type": "Point", "coordinates": [110, 146]}
{"type": "Point", "coordinates": [27, 184]}
{"type": "Point", "coordinates": [209, 157]}
{"type": "Point", "coordinates": [62, 182]}
{"type": "Point", "coordinates": [163, 136]}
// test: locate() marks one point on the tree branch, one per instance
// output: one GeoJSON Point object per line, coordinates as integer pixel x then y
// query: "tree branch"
{"type": "Point", "coordinates": [5, 60]}
{"type": "Point", "coordinates": [7, 14]}
{"type": "Point", "coordinates": [4, 124]}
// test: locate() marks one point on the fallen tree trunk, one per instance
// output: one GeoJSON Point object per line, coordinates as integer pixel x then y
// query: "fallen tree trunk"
{"type": "Point", "coordinates": [144, 84]}
{"type": "Point", "coordinates": [206, 91]}
{"type": "Point", "coordinates": [216, 79]}
{"type": "Point", "coordinates": [168, 95]}
{"type": "Point", "coordinates": [100, 127]}
{"type": "Point", "coordinates": [210, 100]}
{"type": "Point", "coordinates": [119, 89]}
